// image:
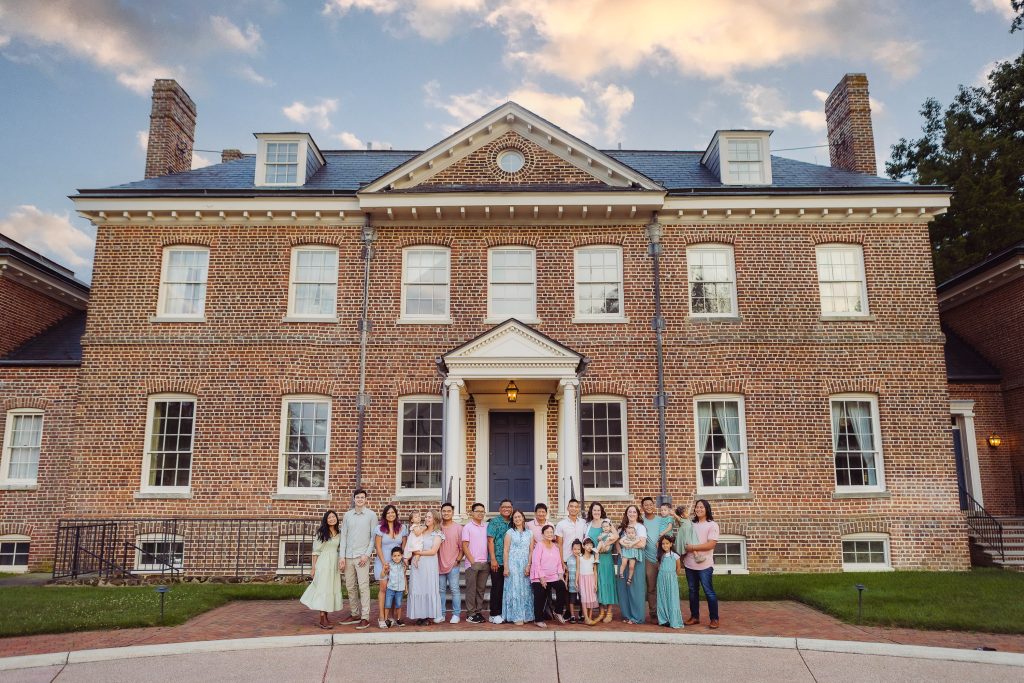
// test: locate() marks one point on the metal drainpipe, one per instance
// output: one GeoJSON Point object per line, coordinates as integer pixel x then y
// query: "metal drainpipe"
{"type": "Point", "coordinates": [654, 233]}
{"type": "Point", "coordinates": [362, 398]}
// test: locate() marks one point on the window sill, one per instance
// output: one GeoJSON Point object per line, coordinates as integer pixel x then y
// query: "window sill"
{"type": "Point", "coordinates": [423, 321]}
{"type": "Point", "coordinates": [719, 569]}
{"type": "Point", "coordinates": [176, 319]}
{"type": "Point", "coordinates": [311, 495]}
{"type": "Point", "coordinates": [309, 319]}
{"type": "Point", "coordinates": [433, 495]}
{"type": "Point", "coordinates": [867, 568]}
{"type": "Point", "coordinates": [162, 495]}
{"type": "Point", "coordinates": [726, 495]}
{"type": "Point", "coordinates": [158, 570]}
{"type": "Point", "coordinates": [619, 320]}
{"type": "Point", "coordinates": [841, 495]}
{"type": "Point", "coordinates": [19, 487]}
{"type": "Point", "coordinates": [612, 496]}
{"type": "Point", "coordinates": [732, 319]}
{"type": "Point", "coordinates": [849, 318]}
{"type": "Point", "coordinates": [524, 320]}
{"type": "Point", "coordinates": [292, 572]}
{"type": "Point", "coordinates": [14, 569]}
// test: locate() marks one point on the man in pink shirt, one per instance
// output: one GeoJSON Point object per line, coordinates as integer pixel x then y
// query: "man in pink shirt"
{"type": "Point", "coordinates": [539, 521]}
{"type": "Point", "coordinates": [474, 547]}
{"type": "Point", "coordinates": [449, 559]}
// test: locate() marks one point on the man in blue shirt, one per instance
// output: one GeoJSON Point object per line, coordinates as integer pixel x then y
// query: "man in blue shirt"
{"type": "Point", "coordinates": [656, 526]}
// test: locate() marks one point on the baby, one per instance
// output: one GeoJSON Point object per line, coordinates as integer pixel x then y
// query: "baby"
{"type": "Point", "coordinates": [415, 541]}
{"type": "Point", "coordinates": [686, 534]}
{"type": "Point", "coordinates": [606, 540]}
{"type": "Point", "coordinates": [632, 550]}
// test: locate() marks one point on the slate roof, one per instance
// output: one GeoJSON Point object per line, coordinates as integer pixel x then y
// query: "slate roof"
{"type": "Point", "coordinates": [346, 171]}
{"type": "Point", "coordinates": [59, 344]}
{"type": "Point", "coordinates": [964, 363]}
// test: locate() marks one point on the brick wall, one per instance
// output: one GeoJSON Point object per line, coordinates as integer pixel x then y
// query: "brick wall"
{"type": "Point", "coordinates": [995, 468]}
{"type": "Point", "coordinates": [24, 313]}
{"type": "Point", "coordinates": [172, 129]}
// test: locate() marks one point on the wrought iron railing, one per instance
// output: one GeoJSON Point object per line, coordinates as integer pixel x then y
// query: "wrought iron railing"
{"type": "Point", "coordinates": [1020, 492]}
{"type": "Point", "coordinates": [183, 546]}
{"type": "Point", "coordinates": [988, 528]}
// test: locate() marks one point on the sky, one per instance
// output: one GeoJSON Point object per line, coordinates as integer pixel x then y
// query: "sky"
{"type": "Point", "coordinates": [76, 78]}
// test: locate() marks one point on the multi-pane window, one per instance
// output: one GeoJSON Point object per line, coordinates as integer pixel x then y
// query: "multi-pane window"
{"type": "Point", "coordinates": [746, 163]}
{"type": "Point", "coordinates": [721, 444]}
{"type": "Point", "coordinates": [314, 282]}
{"type": "Point", "coordinates": [599, 282]}
{"type": "Point", "coordinates": [855, 443]}
{"type": "Point", "coordinates": [183, 282]}
{"type": "Point", "coordinates": [603, 442]}
{"type": "Point", "coordinates": [712, 275]}
{"type": "Point", "coordinates": [841, 280]}
{"type": "Point", "coordinates": [168, 461]}
{"type": "Point", "coordinates": [159, 554]}
{"type": "Point", "coordinates": [731, 555]}
{"type": "Point", "coordinates": [296, 555]}
{"type": "Point", "coordinates": [282, 163]}
{"type": "Point", "coordinates": [420, 443]}
{"type": "Point", "coordinates": [23, 438]}
{"type": "Point", "coordinates": [305, 443]}
{"type": "Point", "coordinates": [14, 553]}
{"type": "Point", "coordinates": [512, 283]}
{"type": "Point", "coordinates": [866, 552]}
{"type": "Point", "coordinates": [425, 282]}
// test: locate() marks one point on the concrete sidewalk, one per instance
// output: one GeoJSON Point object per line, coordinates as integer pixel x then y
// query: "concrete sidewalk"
{"type": "Point", "coordinates": [537, 657]}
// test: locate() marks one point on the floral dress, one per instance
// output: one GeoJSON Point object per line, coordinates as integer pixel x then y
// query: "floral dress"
{"type": "Point", "coordinates": [517, 600]}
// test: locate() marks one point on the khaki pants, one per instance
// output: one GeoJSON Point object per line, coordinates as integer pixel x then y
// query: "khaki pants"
{"type": "Point", "coordinates": [357, 583]}
{"type": "Point", "coordinates": [476, 584]}
{"type": "Point", "coordinates": [651, 570]}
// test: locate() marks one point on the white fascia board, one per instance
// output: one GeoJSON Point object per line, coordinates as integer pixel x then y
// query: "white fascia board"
{"type": "Point", "coordinates": [117, 205]}
{"type": "Point", "coordinates": [647, 200]}
{"type": "Point", "coordinates": [18, 271]}
{"type": "Point", "coordinates": [981, 283]}
{"type": "Point", "coordinates": [907, 202]}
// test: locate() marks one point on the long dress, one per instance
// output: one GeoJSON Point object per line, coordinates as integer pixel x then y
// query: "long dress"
{"type": "Point", "coordinates": [606, 594]}
{"type": "Point", "coordinates": [633, 596]}
{"type": "Point", "coordinates": [668, 592]}
{"type": "Point", "coordinates": [424, 594]}
{"type": "Point", "coordinates": [324, 594]}
{"type": "Point", "coordinates": [517, 600]}
{"type": "Point", "coordinates": [386, 544]}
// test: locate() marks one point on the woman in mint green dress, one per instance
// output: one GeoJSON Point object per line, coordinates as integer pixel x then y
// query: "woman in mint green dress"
{"type": "Point", "coordinates": [324, 593]}
{"type": "Point", "coordinates": [669, 569]}
{"type": "Point", "coordinates": [606, 594]}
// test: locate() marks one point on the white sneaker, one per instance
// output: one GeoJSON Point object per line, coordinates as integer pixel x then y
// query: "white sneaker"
{"type": "Point", "coordinates": [439, 621]}
{"type": "Point", "coordinates": [382, 624]}
{"type": "Point", "coordinates": [455, 619]}
{"type": "Point", "coordinates": [497, 620]}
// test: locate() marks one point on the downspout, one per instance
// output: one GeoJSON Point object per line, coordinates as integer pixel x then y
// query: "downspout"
{"type": "Point", "coordinates": [654, 233]}
{"type": "Point", "coordinates": [362, 398]}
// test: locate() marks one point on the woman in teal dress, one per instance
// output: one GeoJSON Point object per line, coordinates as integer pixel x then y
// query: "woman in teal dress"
{"type": "Point", "coordinates": [606, 595]}
{"type": "Point", "coordinates": [324, 593]}
{"type": "Point", "coordinates": [633, 594]}
{"type": "Point", "coordinates": [669, 569]}
{"type": "Point", "coordinates": [517, 600]}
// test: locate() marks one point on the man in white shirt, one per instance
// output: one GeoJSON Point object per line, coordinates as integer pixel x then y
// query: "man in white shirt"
{"type": "Point", "coordinates": [570, 529]}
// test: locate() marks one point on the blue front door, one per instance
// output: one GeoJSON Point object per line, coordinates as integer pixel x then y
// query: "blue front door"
{"type": "Point", "coordinates": [511, 459]}
{"type": "Point", "coordinates": [961, 475]}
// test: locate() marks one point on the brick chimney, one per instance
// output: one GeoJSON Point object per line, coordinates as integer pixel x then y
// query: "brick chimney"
{"type": "Point", "coordinates": [172, 129]}
{"type": "Point", "coordinates": [230, 155]}
{"type": "Point", "coordinates": [851, 142]}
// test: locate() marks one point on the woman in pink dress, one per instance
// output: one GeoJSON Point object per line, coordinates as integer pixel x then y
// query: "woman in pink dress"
{"type": "Point", "coordinates": [547, 571]}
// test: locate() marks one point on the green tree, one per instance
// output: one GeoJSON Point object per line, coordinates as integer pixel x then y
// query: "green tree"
{"type": "Point", "coordinates": [976, 148]}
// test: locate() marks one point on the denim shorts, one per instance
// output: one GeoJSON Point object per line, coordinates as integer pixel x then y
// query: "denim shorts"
{"type": "Point", "coordinates": [392, 598]}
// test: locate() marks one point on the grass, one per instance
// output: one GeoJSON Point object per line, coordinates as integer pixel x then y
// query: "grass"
{"type": "Point", "coordinates": [986, 600]}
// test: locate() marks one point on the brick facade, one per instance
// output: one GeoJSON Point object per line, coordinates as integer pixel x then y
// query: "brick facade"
{"type": "Point", "coordinates": [25, 312]}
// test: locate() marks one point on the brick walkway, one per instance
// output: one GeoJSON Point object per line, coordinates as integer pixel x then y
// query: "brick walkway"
{"type": "Point", "coordinates": [257, 618]}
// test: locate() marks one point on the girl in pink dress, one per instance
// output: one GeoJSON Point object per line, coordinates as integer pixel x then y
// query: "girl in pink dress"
{"type": "Point", "coordinates": [586, 580]}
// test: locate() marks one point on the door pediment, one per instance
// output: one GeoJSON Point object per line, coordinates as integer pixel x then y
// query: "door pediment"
{"type": "Point", "coordinates": [512, 349]}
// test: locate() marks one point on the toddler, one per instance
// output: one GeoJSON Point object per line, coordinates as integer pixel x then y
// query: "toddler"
{"type": "Point", "coordinates": [415, 541]}
{"type": "Point", "coordinates": [686, 534]}
{"type": "Point", "coordinates": [572, 569]}
{"type": "Point", "coordinates": [395, 588]}
{"type": "Point", "coordinates": [632, 550]}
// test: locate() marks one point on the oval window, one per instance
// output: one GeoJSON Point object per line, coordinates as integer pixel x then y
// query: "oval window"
{"type": "Point", "coordinates": [511, 160]}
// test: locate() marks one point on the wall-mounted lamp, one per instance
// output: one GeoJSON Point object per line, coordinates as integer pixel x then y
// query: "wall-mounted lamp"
{"type": "Point", "coordinates": [995, 441]}
{"type": "Point", "coordinates": [512, 391]}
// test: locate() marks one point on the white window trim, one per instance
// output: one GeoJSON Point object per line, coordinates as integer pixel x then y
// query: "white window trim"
{"type": "Point", "coordinates": [16, 568]}
{"type": "Point", "coordinates": [879, 461]}
{"type": "Point", "coordinates": [494, 318]}
{"type": "Point", "coordinates": [294, 316]}
{"type": "Point", "coordinates": [172, 491]}
{"type": "Point", "coordinates": [734, 568]}
{"type": "Point", "coordinates": [414, 493]}
{"type": "Point", "coordinates": [867, 567]}
{"type": "Point", "coordinates": [282, 459]}
{"type": "Point", "coordinates": [578, 317]}
{"type": "Point", "coordinates": [723, 158]}
{"type": "Point", "coordinates": [161, 313]}
{"type": "Point", "coordinates": [301, 157]}
{"type": "Point", "coordinates": [611, 493]}
{"type": "Point", "coordinates": [139, 568]}
{"type": "Point", "coordinates": [744, 459]}
{"type": "Point", "coordinates": [859, 250]}
{"type": "Point", "coordinates": [283, 570]}
{"type": "Point", "coordinates": [712, 246]}
{"type": "Point", "coordinates": [445, 317]}
{"type": "Point", "coordinates": [5, 460]}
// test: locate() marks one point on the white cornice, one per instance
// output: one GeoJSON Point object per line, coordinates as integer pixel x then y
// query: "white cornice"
{"type": "Point", "coordinates": [982, 283]}
{"type": "Point", "coordinates": [41, 281]}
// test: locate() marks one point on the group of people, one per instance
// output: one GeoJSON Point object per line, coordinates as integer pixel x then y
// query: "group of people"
{"type": "Point", "coordinates": [574, 571]}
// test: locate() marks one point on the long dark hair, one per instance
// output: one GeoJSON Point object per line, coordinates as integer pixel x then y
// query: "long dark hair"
{"type": "Point", "coordinates": [324, 532]}
{"type": "Point", "coordinates": [625, 518]}
{"type": "Point", "coordinates": [661, 551]}
{"type": "Point", "coordinates": [512, 520]}
{"type": "Point", "coordinates": [590, 512]}
{"type": "Point", "coordinates": [384, 528]}
{"type": "Point", "coordinates": [707, 508]}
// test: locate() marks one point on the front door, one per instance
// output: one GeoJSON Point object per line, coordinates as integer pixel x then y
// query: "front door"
{"type": "Point", "coordinates": [511, 459]}
{"type": "Point", "coordinates": [961, 469]}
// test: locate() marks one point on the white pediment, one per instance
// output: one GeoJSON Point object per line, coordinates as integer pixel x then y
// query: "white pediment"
{"type": "Point", "coordinates": [512, 349]}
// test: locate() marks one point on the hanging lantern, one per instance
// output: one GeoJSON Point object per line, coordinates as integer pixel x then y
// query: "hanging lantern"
{"type": "Point", "coordinates": [512, 391]}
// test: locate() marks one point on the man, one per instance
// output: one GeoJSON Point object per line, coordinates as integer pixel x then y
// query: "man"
{"type": "Point", "coordinates": [449, 558]}
{"type": "Point", "coordinates": [540, 519]}
{"type": "Point", "coordinates": [570, 529]}
{"type": "Point", "coordinates": [656, 526]}
{"type": "Point", "coordinates": [354, 548]}
{"type": "Point", "coordinates": [496, 529]}
{"type": "Point", "coordinates": [474, 547]}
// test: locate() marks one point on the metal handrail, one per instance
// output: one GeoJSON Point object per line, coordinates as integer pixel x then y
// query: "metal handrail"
{"type": "Point", "coordinates": [988, 528]}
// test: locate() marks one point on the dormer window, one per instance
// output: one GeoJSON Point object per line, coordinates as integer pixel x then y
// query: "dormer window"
{"type": "Point", "coordinates": [286, 159]}
{"type": "Point", "coordinates": [282, 163]}
{"type": "Point", "coordinates": [740, 157]}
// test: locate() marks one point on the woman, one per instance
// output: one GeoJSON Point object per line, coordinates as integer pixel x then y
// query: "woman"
{"type": "Point", "coordinates": [605, 568]}
{"type": "Point", "coordinates": [424, 592]}
{"type": "Point", "coordinates": [699, 563]}
{"type": "Point", "coordinates": [633, 594]}
{"type": "Point", "coordinates": [388, 535]}
{"type": "Point", "coordinates": [547, 571]}
{"type": "Point", "coordinates": [517, 599]}
{"type": "Point", "coordinates": [324, 593]}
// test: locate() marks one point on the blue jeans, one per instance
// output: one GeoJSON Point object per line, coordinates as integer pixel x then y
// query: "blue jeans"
{"type": "Point", "coordinates": [392, 599]}
{"type": "Point", "coordinates": [703, 577]}
{"type": "Point", "coordinates": [451, 580]}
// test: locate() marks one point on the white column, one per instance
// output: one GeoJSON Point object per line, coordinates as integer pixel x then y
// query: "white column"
{"type": "Point", "coordinates": [569, 422]}
{"type": "Point", "coordinates": [455, 448]}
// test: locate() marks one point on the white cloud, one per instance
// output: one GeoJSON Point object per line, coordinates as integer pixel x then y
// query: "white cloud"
{"type": "Point", "coordinates": [316, 114]}
{"type": "Point", "coordinates": [901, 58]}
{"type": "Point", "coordinates": [50, 234]}
{"type": "Point", "coordinates": [820, 94]}
{"type": "Point", "coordinates": [877, 106]}
{"type": "Point", "coordinates": [981, 79]}
{"type": "Point", "coordinates": [432, 19]}
{"type": "Point", "coordinates": [1000, 6]}
{"type": "Point", "coordinates": [198, 160]}
{"type": "Point", "coordinates": [349, 140]}
{"type": "Point", "coordinates": [142, 137]}
{"type": "Point", "coordinates": [767, 107]}
{"type": "Point", "coordinates": [4, 40]}
{"type": "Point", "coordinates": [617, 102]}
{"type": "Point", "coordinates": [250, 74]}
{"type": "Point", "coordinates": [232, 36]}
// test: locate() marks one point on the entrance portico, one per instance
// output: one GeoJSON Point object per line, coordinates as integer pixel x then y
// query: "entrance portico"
{"type": "Point", "coordinates": [511, 451]}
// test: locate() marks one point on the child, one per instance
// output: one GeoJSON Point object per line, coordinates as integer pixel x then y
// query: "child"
{"type": "Point", "coordinates": [586, 580]}
{"type": "Point", "coordinates": [605, 541]}
{"type": "Point", "coordinates": [395, 588]}
{"type": "Point", "coordinates": [632, 550]}
{"type": "Point", "coordinates": [686, 534]}
{"type": "Point", "coordinates": [415, 540]}
{"type": "Point", "coordinates": [572, 568]}
{"type": "Point", "coordinates": [669, 568]}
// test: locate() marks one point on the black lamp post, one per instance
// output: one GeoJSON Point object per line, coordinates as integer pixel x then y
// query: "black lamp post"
{"type": "Point", "coordinates": [654, 232]}
{"type": "Point", "coordinates": [162, 590]}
